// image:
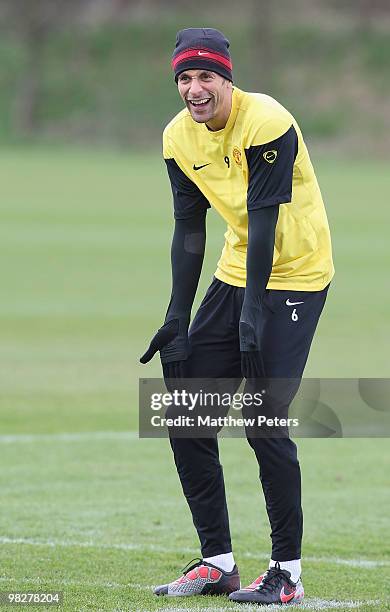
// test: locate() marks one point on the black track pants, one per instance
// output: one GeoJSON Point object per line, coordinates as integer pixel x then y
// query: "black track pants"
{"type": "Point", "coordinates": [215, 353]}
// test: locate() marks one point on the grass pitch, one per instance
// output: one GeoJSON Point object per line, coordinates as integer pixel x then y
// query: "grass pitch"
{"type": "Point", "coordinates": [86, 507]}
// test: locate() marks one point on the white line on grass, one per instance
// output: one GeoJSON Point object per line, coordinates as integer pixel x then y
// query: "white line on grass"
{"type": "Point", "coordinates": [359, 563]}
{"type": "Point", "coordinates": [69, 437]}
{"type": "Point", "coordinates": [308, 604]}
{"type": "Point", "coordinates": [77, 583]}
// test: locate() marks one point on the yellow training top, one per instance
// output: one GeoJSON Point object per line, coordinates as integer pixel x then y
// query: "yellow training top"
{"type": "Point", "coordinates": [258, 159]}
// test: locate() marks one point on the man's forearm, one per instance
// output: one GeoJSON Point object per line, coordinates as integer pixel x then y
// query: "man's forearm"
{"type": "Point", "coordinates": [261, 240]}
{"type": "Point", "coordinates": [187, 253]}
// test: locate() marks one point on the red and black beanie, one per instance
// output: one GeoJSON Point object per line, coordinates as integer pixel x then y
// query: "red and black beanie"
{"type": "Point", "coordinates": [202, 49]}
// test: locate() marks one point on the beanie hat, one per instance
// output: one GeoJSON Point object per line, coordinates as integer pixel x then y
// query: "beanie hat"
{"type": "Point", "coordinates": [202, 49]}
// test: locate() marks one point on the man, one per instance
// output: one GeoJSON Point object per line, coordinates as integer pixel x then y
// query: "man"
{"type": "Point", "coordinates": [243, 154]}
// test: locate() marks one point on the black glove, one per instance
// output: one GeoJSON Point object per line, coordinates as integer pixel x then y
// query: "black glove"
{"type": "Point", "coordinates": [172, 342]}
{"type": "Point", "coordinates": [250, 333]}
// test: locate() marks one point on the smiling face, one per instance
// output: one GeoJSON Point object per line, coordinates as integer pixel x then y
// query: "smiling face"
{"type": "Point", "coordinates": [207, 95]}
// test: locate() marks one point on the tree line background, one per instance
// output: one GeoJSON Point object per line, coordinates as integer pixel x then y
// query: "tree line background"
{"type": "Point", "coordinates": [98, 71]}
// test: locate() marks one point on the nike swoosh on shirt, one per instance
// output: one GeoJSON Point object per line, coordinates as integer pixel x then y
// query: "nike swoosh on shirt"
{"type": "Point", "coordinates": [293, 303]}
{"type": "Point", "coordinates": [203, 53]}
{"type": "Point", "coordinates": [199, 167]}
